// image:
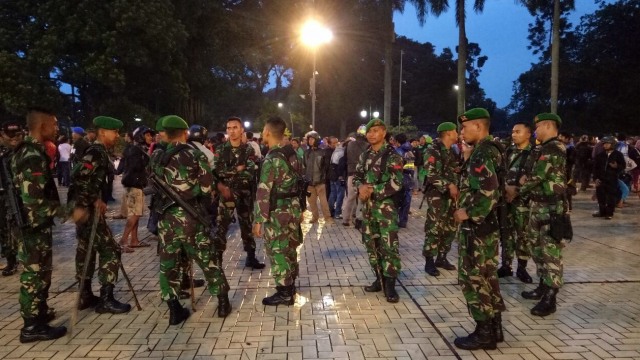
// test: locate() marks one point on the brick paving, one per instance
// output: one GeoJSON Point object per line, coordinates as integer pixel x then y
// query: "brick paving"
{"type": "Point", "coordinates": [598, 315]}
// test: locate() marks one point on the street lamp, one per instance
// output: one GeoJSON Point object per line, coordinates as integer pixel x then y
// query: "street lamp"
{"type": "Point", "coordinates": [281, 106]}
{"type": "Point", "coordinates": [137, 119]}
{"type": "Point", "coordinates": [314, 34]}
{"type": "Point", "coordinates": [363, 114]}
{"type": "Point", "coordinates": [376, 114]}
{"type": "Point", "coordinates": [247, 124]}
{"type": "Point", "coordinates": [456, 87]}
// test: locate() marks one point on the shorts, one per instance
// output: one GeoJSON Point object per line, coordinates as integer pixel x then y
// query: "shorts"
{"type": "Point", "coordinates": [135, 201]}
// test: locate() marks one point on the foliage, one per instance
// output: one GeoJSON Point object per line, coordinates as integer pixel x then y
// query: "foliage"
{"type": "Point", "coordinates": [406, 127]}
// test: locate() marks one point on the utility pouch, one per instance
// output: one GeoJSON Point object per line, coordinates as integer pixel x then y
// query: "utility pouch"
{"type": "Point", "coordinates": [488, 226]}
{"type": "Point", "coordinates": [560, 227]}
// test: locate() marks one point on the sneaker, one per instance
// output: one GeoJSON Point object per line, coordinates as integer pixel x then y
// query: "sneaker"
{"type": "Point", "coordinates": [338, 217]}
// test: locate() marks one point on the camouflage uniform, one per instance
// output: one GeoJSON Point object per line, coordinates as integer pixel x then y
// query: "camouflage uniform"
{"type": "Point", "coordinates": [282, 232]}
{"type": "Point", "coordinates": [9, 234]}
{"type": "Point", "coordinates": [519, 163]}
{"type": "Point", "coordinates": [187, 171]}
{"type": "Point", "coordinates": [227, 158]}
{"type": "Point", "coordinates": [380, 226]}
{"type": "Point", "coordinates": [440, 165]}
{"type": "Point", "coordinates": [34, 181]}
{"type": "Point", "coordinates": [545, 189]}
{"type": "Point", "coordinates": [477, 263]}
{"type": "Point", "coordinates": [89, 183]}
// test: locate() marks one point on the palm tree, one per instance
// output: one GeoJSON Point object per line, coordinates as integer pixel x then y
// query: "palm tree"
{"type": "Point", "coordinates": [540, 5]}
{"type": "Point", "coordinates": [389, 6]}
{"type": "Point", "coordinates": [437, 7]}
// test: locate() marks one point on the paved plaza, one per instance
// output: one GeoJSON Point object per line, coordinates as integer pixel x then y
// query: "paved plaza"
{"type": "Point", "coordinates": [598, 315]}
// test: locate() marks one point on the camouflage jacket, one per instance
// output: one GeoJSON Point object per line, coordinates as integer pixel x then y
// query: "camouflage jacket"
{"type": "Point", "coordinates": [277, 176]}
{"type": "Point", "coordinates": [369, 173]}
{"type": "Point", "coordinates": [441, 165]}
{"type": "Point", "coordinates": [547, 176]}
{"type": "Point", "coordinates": [186, 170]}
{"type": "Point", "coordinates": [34, 183]}
{"type": "Point", "coordinates": [479, 185]}
{"type": "Point", "coordinates": [518, 163]}
{"type": "Point", "coordinates": [90, 176]}
{"type": "Point", "coordinates": [227, 158]}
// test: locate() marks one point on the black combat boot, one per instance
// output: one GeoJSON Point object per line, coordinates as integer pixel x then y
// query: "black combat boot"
{"type": "Point", "coordinates": [522, 273]}
{"type": "Point", "coordinates": [481, 338]}
{"type": "Point", "coordinates": [252, 262]}
{"type": "Point", "coordinates": [505, 269]}
{"type": "Point", "coordinates": [12, 266]}
{"type": "Point", "coordinates": [35, 329]}
{"type": "Point", "coordinates": [224, 306]}
{"type": "Point", "coordinates": [185, 284]}
{"type": "Point", "coordinates": [547, 304]}
{"type": "Point", "coordinates": [430, 267]}
{"type": "Point", "coordinates": [390, 290]}
{"type": "Point", "coordinates": [87, 299]}
{"type": "Point", "coordinates": [177, 313]}
{"type": "Point", "coordinates": [443, 263]}
{"type": "Point", "coordinates": [283, 296]}
{"type": "Point", "coordinates": [496, 323]}
{"type": "Point", "coordinates": [376, 285]}
{"type": "Point", "coordinates": [535, 294]}
{"type": "Point", "coordinates": [108, 304]}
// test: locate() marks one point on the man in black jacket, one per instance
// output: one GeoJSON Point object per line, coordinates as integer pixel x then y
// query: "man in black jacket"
{"type": "Point", "coordinates": [134, 179]}
{"type": "Point", "coordinates": [607, 167]}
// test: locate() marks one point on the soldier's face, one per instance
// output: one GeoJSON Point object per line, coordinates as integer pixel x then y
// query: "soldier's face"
{"type": "Point", "coordinates": [234, 130]}
{"type": "Point", "coordinates": [376, 135]}
{"type": "Point", "coordinates": [469, 131]}
{"type": "Point", "coordinates": [520, 134]}
{"type": "Point", "coordinates": [49, 130]}
{"type": "Point", "coordinates": [109, 137]}
{"type": "Point", "coordinates": [542, 130]}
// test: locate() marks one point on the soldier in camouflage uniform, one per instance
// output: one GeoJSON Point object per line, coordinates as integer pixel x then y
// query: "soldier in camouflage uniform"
{"type": "Point", "coordinates": [235, 166]}
{"type": "Point", "coordinates": [442, 170]}
{"type": "Point", "coordinates": [545, 188]}
{"type": "Point", "coordinates": [478, 249]}
{"type": "Point", "coordinates": [183, 263]}
{"type": "Point", "coordinates": [40, 203]}
{"type": "Point", "coordinates": [378, 178]}
{"type": "Point", "coordinates": [87, 196]}
{"type": "Point", "coordinates": [186, 170]}
{"type": "Point", "coordinates": [278, 211]}
{"type": "Point", "coordinates": [519, 161]}
{"type": "Point", "coordinates": [11, 136]}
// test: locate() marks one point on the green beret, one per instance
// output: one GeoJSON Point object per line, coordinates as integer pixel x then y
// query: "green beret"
{"type": "Point", "coordinates": [474, 114]}
{"type": "Point", "coordinates": [375, 122]}
{"type": "Point", "coordinates": [159, 126]}
{"type": "Point", "coordinates": [427, 139]}
{"type": "Point", "coordinates": [447, 126]}
{"type": "Point", "coordinates": [547, 116]}
{"type": "Point", "coordinates": [174, 122]}
{"type": "Point", "coordinates": [108, 123]}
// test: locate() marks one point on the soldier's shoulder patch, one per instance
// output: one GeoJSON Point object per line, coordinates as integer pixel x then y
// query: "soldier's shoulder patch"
{"type": "Point", "coordinates": [431, 160]}
{"type": "Point", "coordinates": [88, 165]}
{"type": "Point", "coordinates": [479, 169]}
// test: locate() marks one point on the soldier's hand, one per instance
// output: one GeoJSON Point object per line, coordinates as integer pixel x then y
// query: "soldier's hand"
{"type": "Point", "coordinates": [257, 230]}
{"type": "Point", "coordinates": [598, 182]}
{"type": "Point", "coordinates": [460, 215]}
{"type": "Point", "coordinates": [453, 191]}
{"type": "Point", "coordinates": [522, 180]}
{"type": "Point", "coordinates": [100, 206]}
{"type": "Point", "coordinates": [80, 215]}
{"type": "Point", "coordinates": [365, 191]}
{"type": "Point", "coordinates": [240, 168]}
{"type": "Point", "coordinates": [511, 193]}
{"type": "Point", "coordinates": [225, 191]}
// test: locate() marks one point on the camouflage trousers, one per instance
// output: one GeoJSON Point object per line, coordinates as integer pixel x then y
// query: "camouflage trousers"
{"type": "Point", "coordinates": [380, 237]}
{"type": "Point", "coordinates": [439, 227]}
{"type": "Point", "coordinates": [546, 252]}
{"type": "Point", "coordinates": [180, 234]}
{"type": "Point", "coordinates": [35, 255]}
{"type": "Point", "coordinates": [281, 241]}
{"type": "Point", "coordinates": [517, 240]}
{"type": "Point", "coordinates": [242, 204]}
{"type": "Point", "coordinates": [477, 273]}
{"type": "Point", "coordinates": [9, 240]}
{"type": "Point", "coordinates": [103, 245]}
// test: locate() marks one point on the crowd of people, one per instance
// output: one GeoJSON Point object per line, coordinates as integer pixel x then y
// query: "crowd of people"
{"type": "Point", "coordinates": [498, 198]}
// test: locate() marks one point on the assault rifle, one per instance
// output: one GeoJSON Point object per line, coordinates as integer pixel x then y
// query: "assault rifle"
{"type": "Point", "coordinates": [11, 196]}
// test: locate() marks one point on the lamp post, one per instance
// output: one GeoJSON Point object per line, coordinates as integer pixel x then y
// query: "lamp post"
{"type": "Point", "coordinates": [456, 87]}
{"type": "Point", "coordinates": [314, 34]}
{"type": "Point", "coordinates": [400, 90]}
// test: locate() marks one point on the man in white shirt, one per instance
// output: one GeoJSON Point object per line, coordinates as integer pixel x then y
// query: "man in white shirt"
{"type": "Point", "coordinates": [64, 149]}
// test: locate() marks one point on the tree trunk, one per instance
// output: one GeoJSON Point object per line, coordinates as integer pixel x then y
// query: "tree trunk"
{"type": "Point", "coordinates": [462, 57]}
{"type": "Point", "coordinates": [388, 59]}
{"type": "Point", "coordinates": [555, 56]}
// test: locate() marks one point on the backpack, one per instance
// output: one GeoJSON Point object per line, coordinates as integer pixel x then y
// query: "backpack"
{"type": "Point", "coordinates": [287, 152]}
